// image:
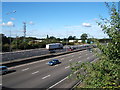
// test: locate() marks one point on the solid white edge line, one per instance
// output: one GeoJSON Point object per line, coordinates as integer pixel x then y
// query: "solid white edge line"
{"type": "Point", "coordinates": [46, 76]}
{"type": "Point", "coordinates": [67, 67]}
{"type": "Point", "coordinates": [57, 83]}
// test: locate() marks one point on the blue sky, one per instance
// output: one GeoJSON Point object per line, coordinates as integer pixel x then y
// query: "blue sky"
{"type": "Point", "coordinates": [59, 19]}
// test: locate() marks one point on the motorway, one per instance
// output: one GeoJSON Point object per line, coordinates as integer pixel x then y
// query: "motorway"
{"type": "Point", "coordinates": [39, 75]}
{"type": "Point", "coordinates": [9, 56]}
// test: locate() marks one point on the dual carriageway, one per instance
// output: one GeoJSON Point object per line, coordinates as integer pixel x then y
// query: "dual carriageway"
{"type": "Point", "coordinates": [40, 75]}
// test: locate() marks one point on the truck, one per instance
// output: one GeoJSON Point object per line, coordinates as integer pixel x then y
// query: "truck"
{"type": "Point", "coordinates": [54, 46]}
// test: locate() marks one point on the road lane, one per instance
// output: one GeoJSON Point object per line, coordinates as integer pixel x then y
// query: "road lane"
{"type": "Point", "coordinates": [56, 73]}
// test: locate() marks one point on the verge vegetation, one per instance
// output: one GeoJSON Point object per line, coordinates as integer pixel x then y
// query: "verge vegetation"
{"type": "Point", "coordinates": [104, 73]}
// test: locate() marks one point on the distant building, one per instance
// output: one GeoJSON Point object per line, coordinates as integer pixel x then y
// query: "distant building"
{"type": "Point", "coordinates": [38, 40]}
{"type": "Point", "coordinates": [72, 40]}
{"type": "Point", "coordinates": [79, 41]}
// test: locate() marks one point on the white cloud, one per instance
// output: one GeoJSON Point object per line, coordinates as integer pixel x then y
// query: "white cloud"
{"type": "Point", "coordinates": [7, 24]}
{"type": "Point", "coordinates": [86, 24]}
{"type": "Point", "coordinates": [12, 18]}
{"type": "Point", "coordinates": [31, 23]}
{"type": "Point", "coordinates": [3, 24]}
{"type": "Point", "coordinates": [10, 23]}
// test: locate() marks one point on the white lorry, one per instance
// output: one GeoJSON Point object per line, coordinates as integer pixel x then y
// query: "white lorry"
{"type": "Point", "coordinates": [54, 46]}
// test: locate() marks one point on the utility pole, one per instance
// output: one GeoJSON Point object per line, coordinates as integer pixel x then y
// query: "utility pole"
{"type": "Point", "coordinates": [24, 27]}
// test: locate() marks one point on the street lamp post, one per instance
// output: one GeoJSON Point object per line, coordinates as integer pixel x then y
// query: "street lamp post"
{"type": "Point", "coordinates": [10, 40]}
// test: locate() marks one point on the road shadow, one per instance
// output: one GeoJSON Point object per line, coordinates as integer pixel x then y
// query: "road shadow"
{"type": "Point", "coordinates": [10, 71]}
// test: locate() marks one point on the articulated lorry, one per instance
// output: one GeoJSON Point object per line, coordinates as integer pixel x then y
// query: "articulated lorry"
{"type": "Point", "coordinates": [54, 46]}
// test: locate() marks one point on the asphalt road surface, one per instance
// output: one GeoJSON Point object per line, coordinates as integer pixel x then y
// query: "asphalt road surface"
{"type": "Point", "coordinates": [9, 56]}
{"type": "Point", "coordinates": [39, 75]}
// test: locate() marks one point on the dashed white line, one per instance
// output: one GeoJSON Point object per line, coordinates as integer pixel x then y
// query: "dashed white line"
{"type": "Point", "coordinates": [86, 54]}
{"type": "Point", "coordinates": [56, 65]}
{"type": "Point", "coordinates": [88, 58]}
{"type": "Point", "coordinates": [79, 56]}
{"type": "Point", "coordinates": [46, 76]}
{"type": "Point", "coordinates": [37, 62]}
{"type": "Point", "coordinates": [0, 84]}
{"type": "Point", "coordinates": [67, 67]}
{"type": "Point", "coordinates": [25, 69]}
{"type": "Point", "coordinates": [79, 61]}
{"type": "Point", "coordinates": [70, 60]}
{"type": "Point", "coordinates": [35, 72]}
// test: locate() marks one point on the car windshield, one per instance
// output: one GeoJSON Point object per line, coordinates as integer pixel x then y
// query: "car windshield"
{"type": "Point", "coordinates": [50, 61]}
{"type": "Point", "coordinates": [4, 68]}
{"type": "Point", "coordinates": [55, 60]}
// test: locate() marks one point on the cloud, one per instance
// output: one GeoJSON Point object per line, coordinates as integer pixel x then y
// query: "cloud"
{"type": "Point", "coordinates": [12, 18]}
{"type": "Point", "coordinates": [10, 23]}
{"type": "Point", "coordinates": [31, 23]}
{"type": "Point", "coordinates": [7, 24]}
{"type": "Point", "coordinates": [3, 24]}
{"type": "Point", "coordinates": [86, 24]}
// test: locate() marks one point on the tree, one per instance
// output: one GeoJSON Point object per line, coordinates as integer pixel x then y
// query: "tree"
{"type": "Point", "coordinates": [106, 71]}
{"type": "Point", "coordinates": [84, 37]}
{"type": "Point", "coordinates": [52, 37]}
{"type": "Point", "coordinates": [47, 37]}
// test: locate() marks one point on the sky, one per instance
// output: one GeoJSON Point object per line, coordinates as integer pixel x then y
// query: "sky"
{"type": "Point", "coordinates": [59, 19]}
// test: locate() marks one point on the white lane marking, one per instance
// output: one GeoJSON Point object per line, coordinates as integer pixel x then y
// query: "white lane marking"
{"type": "Point", "coordinates": [25, 69]}
{"type": "Point", "coordinates": [75, 72]}
{"type": "Point", "coordinates": [67, 67]}
{"type": "Point", "coordinates": [62, 59]}
{"type": "Point", "coordinates": [35, 72]}
{"type": "Point", "coordinates": [88, 58]}
{"type": "Point", "coordinates": [46, 76]}
{"type": "Point", "coordinates": [57, 83]}
{"type": "Point", "coordinates": [79, 61]}
{"type": "Point", "coordinates": [56, 65]}
{"type": "Point", "coordinates": [79, 56]}
{"type": "Point", "coordinates": [72, 55]}
{"type": "Point", "coordinates": [86, 54]}
{"type": "Point", "coordinates": [70, 60]}
{"type": "Point", "coordinates": [94, 60]}
{"type": "Point", "coordinates": [39, 61]}
{"type": "Point", "coordinates": [0, 84]}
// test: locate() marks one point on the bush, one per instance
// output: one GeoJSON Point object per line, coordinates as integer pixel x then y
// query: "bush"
{"type": "Point", "coordinates": [105, 73]}
{"type": "Point", "coordinates": [6, 48]}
